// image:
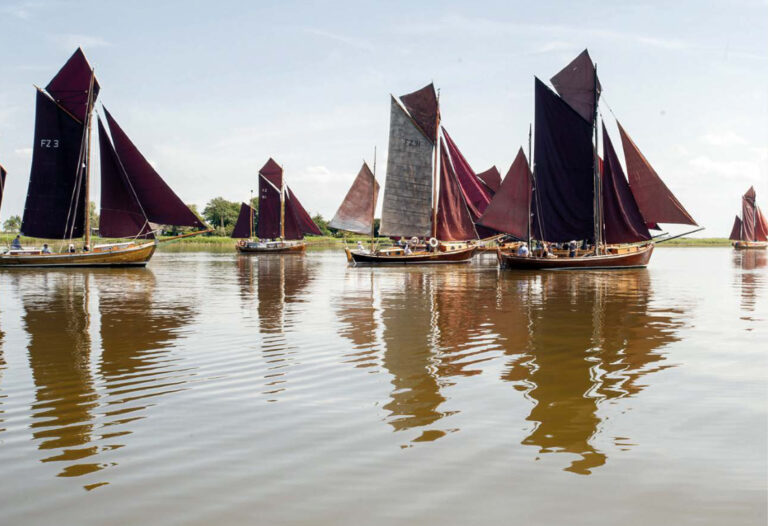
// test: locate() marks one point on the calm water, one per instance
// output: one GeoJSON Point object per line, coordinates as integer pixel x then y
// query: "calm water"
{"type": "Point", "coordinates": [216, 389]}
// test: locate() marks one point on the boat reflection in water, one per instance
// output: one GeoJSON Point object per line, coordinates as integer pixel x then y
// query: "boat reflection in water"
{"type": "Point", "coordinates": [76, 421]}
{"type": "Point", "coordinates": [750, 282]}
{"type": "Point", "coordinates": [570, 343]}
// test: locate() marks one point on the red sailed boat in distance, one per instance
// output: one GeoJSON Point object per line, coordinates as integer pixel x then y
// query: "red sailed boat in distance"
{"type": "Point", "coordinates": [282, 221]}
{"type": "Point", "coordinates": [577, 210]}
{"type": "Point", "coordinates": [438, 226]}
{"type": "Point", "coordinates": [750, 231]}
{"type": "Point", "coordinates": [134, 198]}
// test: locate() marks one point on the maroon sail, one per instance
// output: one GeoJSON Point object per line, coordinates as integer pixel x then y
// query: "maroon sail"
{"type": "Point", "coordinates": [736, 230]}
{"type": "Point", "coordinates": [422, 105]}
{"type": "Point", "coordinates": [491, 178]}
{"type": "Point", "coordinates": [69, 88]}
{"type": "Point", "coordinates": [244, 226]}
{"type": "Point", "coordinates": [121, 213]}
{"type": "Point", "coordinates": [476, 196]}
{"type": "Point", "coordinates": [159, 202]}
{"type": "Point", "coordinates": [655, 201]}
{"type": "Point", "coordinates": [564, 187]}
{"type": "Point", "coordinates": [270, 188]}
{"type": "Point", "coordinates": [454, 222]}
{"type": "Point", "coordinates": [356, 211]}
{"type": "Point", "coordinates": [3, 173]}
{"type": "Point", "coordinates": [575, 83]}
{"type": "Point", "coordinates": [748, 217]}
{"type": "Point", "coordinates": [622, 220]}
{"type": "Point", "coordinates": [508, 210]}
{"type": "Point", "coordinates": [761, 225]}
{"type": "Point", "coordinates": [303, 221]}
{"type": "Point", "coordinates": [55, 206]}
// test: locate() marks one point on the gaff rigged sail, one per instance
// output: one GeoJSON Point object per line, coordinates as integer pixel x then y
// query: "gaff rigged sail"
{"type": "Point", "coordinates": [69, 88]}
{"type": "Point", "coordinates": [575, 83]}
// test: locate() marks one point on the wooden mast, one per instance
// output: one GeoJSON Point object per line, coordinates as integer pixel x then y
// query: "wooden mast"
{"type": "Point", "coordinates": [596, 175]}
{"type": "Point", "coordinates": [373, 198]}
{"type": "Point", "coordinates": [88, 164]}
{"type": "Point", "coordinates": [434, 168]}
{"type": "Point", "coordinates": [250, 207]}
{"type": "Point", "coordinates": [530, 177]}
{"type": "Point", "coordinates": [282, 205]}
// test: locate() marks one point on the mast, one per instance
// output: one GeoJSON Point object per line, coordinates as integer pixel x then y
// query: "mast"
{"type": "Point", "coordinates": [89, 113]}
{"type": "Point", "coordinates": [596, 171]}
{"type": "Point", "coordinates": [373, 198]}
{"type": "Point", "coordinates": [434, 169]}
{"type": "Point", "coordinates": [530, 174]}
{"type": "Point", "coordinates": [282, 204]}
{"type": "Point", "coordinates": [250, 206]}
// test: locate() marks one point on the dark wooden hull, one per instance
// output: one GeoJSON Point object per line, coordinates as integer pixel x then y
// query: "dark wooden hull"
{"type": "Point", "coordinates": [750, 245]}
{"type": "Point", "coordinates": [426, 258]}
{"type": "Point", "coordinates": [132, 256]}
{"type": "Point", "coordinates": [634, 259]}
{"type": "Point", "coordinates": [297, 248]}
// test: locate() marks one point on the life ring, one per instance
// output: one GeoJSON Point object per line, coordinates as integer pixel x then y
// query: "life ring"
{"type": "Point", "coordinates": [414, 240]}
{"type": "Point", "coordinates": [433, 242]}
{"type": "Point", "coordinates": [241, 242]}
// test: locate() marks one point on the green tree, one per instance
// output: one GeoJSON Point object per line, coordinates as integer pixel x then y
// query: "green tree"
{"type": "Point", "coordinates": [93, 215]}
{"type": "Point", "coordinates": [322, 224]}
{"type": "Point", "coordinates": [12, 224]}
{"type": "Point", "coordinates": [221, 215]}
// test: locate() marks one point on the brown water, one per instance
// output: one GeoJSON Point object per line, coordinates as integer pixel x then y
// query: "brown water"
{"type": "Point", "coordinates": [216, 389]}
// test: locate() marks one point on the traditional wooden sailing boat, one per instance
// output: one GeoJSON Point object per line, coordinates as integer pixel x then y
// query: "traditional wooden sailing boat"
{"type": "Point", "coordinates": [438, 226]}
{"type": "Point", "coordinates": [750, 231]}
{"type": "Point", "coordinates": [134, 198]}
{"type": "Point", "coordinates": [573, 195]}
{"type": "Point", "coordinates": [282, 221]}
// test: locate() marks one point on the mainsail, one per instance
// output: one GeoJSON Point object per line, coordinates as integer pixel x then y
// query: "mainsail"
{"type": "Point", "coordinates": [244, 225]}
{"type": "Point", "coordinates": [3, 173]}
{"type": "Point", "coordinates": [622, 220]}
{"type": "Point", "coordinates": [656, 202]}
{"type": "Point", "coordinates": [454, 222]}
{"type": "Point", "coordinates": [158, 201]}
{"type": "Point", "coordinates": [564, 184]}
{"type": "Point", "coordinates": [357, 210]}
{"type": "Point", "coordinates": [491, 178]}
{"type": "Point", "coordinates": [736, 230]}
{"type": "Point", "coordinates": [577, 84]}
{"type": "Point", "coordinates": [55, 206]}
{"type": "Point", "coordinates": [295, 220]}
{"type": "Point", "coordinates": [509, 208]}
{"type": "Point", "coordinates": [407, 204]}
{"type": "Point", "coordinates": [121, 212]}
{"type": "Point", "coordinates": [748, 215]}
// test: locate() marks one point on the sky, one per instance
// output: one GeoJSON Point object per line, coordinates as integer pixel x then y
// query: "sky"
{"type": "Point", "coordinates": [208, 91]}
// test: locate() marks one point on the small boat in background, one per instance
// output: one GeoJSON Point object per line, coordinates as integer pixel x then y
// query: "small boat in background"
{"type": "Point", "coordinates": [135, 200]}
{"type": "Point", "coordinates": [438, 226]}
{"type": "Point", "coordinates": [574, 197]}
{"type": "Point", "coordinates": [750, 231]}
{"type": "Point", "coordinates": [282, 221]}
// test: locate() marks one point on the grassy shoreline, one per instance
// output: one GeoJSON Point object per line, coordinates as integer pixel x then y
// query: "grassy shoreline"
{"type": "Point", "coordinates": [326, 241]}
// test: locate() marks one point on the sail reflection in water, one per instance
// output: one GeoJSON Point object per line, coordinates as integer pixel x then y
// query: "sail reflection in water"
{"type": "Point", "coordinates": [572, 342]}
{"type": "Point", "coordinates": [750, 278]}
{"type": "Point", "coordinates": [76, 422]}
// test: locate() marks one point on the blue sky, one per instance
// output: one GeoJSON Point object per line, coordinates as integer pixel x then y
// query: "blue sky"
{"type": "Point", "coordinates": [209, 90]}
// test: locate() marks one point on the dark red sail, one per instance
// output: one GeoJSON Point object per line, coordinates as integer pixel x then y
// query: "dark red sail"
{"type": "Point", "coordinates": [244, 226]}
{"type": "Point", "coordinates": [422, 105]}
{"type": "Point", "coordinates": [508, 210]}
{"type": "Point", "coordinates": [576, 85]}
{"type": "Point", "coordinates": [270, 187]}
{"type": "Point", "coordinates": [356, 211]}
{"type": "Point", "coordinates": [491, 178]}
{"type": "Point", "coordinates": [302, 220]}
{"type": "Point", "coordinates": [736, 230]}
{"type": "Point", "coordinates": [761, 225]}
{"type": "Point", "coordinates": [3, 173]}
{"type": "Point", "coordinates": [55, 207]}
{"type": "Point", "coordinates": [564, 188]}
{"type": "Point", "coordinates": [475, 194]}
{"type": "Point", "coordinates": [121, 213]}
{"type": "Point", "coordinates": [159, 202]}
{"type": "Point", "coordinates": [748, 216]}
{"type": "Point", "coordinates": [622, 220]}
{"type": "Point", "coordinates": [69, 88]}
{"type": "Point", "coordinates": [454, 222]}
{"type": "Point", "coordinates": [655, 201]}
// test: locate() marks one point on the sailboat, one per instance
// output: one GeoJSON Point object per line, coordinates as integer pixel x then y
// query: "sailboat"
{"type": "Point", "coordinates": [356, 212]}
{"type": "Point", "coordinates": [282, 221]}
{"type": "Point", "coordinates": [438, 227]}
{"type": "Point", "coordinates": [750, 231]}
{"type": "Point", "coordinates": [574, 197]}
{"type": "Point", "coordinates": [134, 198]}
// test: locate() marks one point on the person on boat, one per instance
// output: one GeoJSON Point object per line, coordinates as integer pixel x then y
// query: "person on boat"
{"type": "Point", "coordinates": [408, 250]}
{"type": "Point", "coordinates": [46, 248]}
{"type": "Point", "coordinates": [16, 243]}
{"type": "Point", "coordinates": [71, 248]}
{"type": "Point", "coordinates": [86, 248]}
{"type": "Point", "coordinates": [572, 249]}
{"type": "Point", "coordinates": [360, 246]}
{"type": "Point", "coordinates": [522, 250]}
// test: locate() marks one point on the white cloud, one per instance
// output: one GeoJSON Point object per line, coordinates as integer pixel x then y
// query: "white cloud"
{"type": "Point", "coordinates": [723, 138]}
{"type": "Point", "coordinates": [735, 170]}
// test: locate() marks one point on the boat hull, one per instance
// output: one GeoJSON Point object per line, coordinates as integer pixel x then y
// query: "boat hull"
{"type": "Point", "coordinates": [293, 248]}
{"type": "Point", "coordinates": [132, 256]}
{"type": "Point", "coordinates": [750, 245]}
{"type": "Point", "coordinates": [634, 259]}
{"type": "Point", "coordinates": [455, 256]}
